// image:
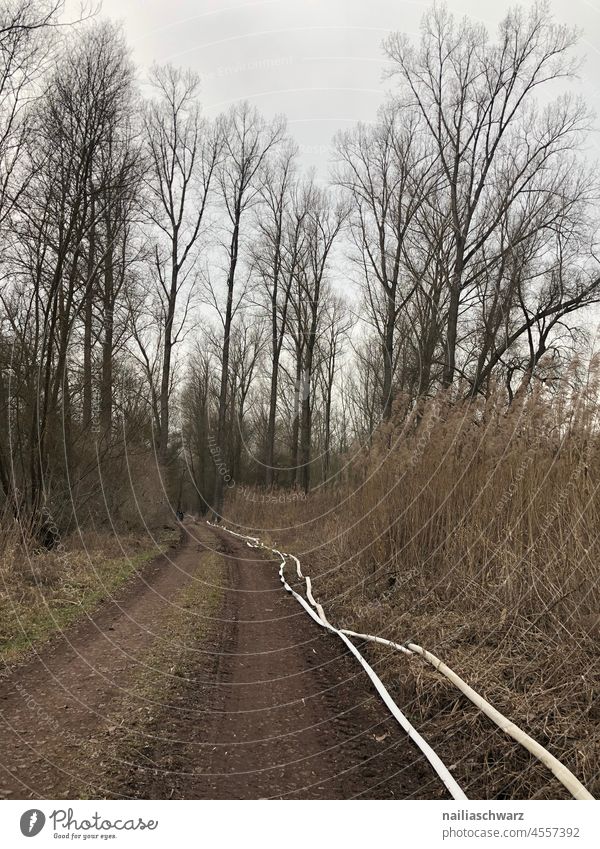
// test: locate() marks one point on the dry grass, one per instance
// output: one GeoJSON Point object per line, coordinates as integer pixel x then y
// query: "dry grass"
{"type": "Point", "coordinates": [474, 530]}
{"type": "Point", "coordinates": [42, 592]}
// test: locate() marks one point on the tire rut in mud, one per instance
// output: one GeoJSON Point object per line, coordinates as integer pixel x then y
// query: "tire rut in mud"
{"type": "Point", "coordinates": [275, 708]}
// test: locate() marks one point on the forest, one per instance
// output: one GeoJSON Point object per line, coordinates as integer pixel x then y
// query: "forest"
{"type": "Point", "coordinates": [389, 364]}
{"type": "Point", "coordinates": [184, 309]}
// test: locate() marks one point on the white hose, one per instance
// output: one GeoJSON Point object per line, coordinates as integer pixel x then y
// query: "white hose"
{"type": "Point", "coordinates": [564, 775]}
{"type": "Point", "coordinates": [453, 787]}
{"type": "Point", "coordinates": [373, 639]}
{"type": "Point", "coordinates": [451, 784]}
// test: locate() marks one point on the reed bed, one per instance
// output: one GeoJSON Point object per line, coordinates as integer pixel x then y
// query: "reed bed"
{"type": "Point", "coordinates": [472, 528]}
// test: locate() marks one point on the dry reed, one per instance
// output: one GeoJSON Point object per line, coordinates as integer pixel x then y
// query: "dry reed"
{"type": "Point", "coordinates": [472, 528]}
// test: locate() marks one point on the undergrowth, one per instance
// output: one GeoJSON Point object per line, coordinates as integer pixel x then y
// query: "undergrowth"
{"type": "Point", "coordinates": [473, 529]}
{"type": "Point", "coordinates": [42, 592]}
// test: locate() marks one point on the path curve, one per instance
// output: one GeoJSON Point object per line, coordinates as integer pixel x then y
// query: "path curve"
{"type": "Point", "coordinates": [271, 706]}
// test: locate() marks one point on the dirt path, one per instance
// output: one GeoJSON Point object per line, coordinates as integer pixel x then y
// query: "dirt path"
{"type": "Point", "coordinates": [278, 710]}
{"type": "Point", "coordinates": [50, 706]}
{"type": "Point", "coordinates": [265, 704]}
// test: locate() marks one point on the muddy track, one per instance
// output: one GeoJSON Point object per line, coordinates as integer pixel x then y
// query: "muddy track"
{"type": "Point", "coordinates": [52, 704]}
{"type": "Point", "coordinates": [267, 706]}
{"type": "Point", "coordinates": [301, 719]}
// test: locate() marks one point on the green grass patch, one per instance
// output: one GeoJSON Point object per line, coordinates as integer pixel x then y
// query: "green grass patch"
{"type": "Point", "coordinates": [42, 593]}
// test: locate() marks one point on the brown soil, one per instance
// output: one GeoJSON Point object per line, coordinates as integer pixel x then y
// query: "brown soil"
{"type": "Point", "coordinates": [264, 704]}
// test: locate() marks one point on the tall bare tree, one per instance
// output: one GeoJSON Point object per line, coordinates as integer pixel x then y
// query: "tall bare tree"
{"type": "Point", "coordinates": [248, 140]}
{"type": "Point", "coordinates": [275, 257]}
{"type": "Point", "coordinates": [322, 225]}
{"type": "Point", "coordinates": [494, 145]}
{"type": "Point", "coordinates": [386, 171]}
{"type": "Point", "coordinates": [183, 152]}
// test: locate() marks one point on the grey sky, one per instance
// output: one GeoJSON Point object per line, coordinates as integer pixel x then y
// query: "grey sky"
{"type": "Point", "coordinates": [317, 61]}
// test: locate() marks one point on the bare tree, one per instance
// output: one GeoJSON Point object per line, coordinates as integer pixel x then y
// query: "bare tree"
{"type": "Point", "coordinates": [337, 324]}
{"type": "Point", "coordinates": [494, 145]}
{"type": "Point", "coordinates": [322, 224]}
{"type": "Point", "coordinates": [26, 46]}
{"type": "Point", "coordinates": [274, 257]}
{"type": "Point", "coordinates": [199, 411]}
{"type": "Point", "coordinates": [183, 152]}
{"type": "Point", "coordinates": [87, 102]}
{"type": "Point", "coordinates": [248, 140]}
{"type": "Point", "coordinates": [248, 343]}
{"type": "Point", "coordinates": [386, 171]}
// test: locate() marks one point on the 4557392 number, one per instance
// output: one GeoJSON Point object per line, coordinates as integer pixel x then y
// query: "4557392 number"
{"type": "Point", "coordinates": [555, 832]}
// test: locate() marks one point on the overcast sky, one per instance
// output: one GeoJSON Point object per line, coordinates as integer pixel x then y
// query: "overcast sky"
{"type": "Point", "coordinates": [317, 61]}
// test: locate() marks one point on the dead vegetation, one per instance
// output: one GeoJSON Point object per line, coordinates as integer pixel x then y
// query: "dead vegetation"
{"type": "Point", "coordinates": [472, 529]}
{"type": "Point", "coordinates": [43, 591]}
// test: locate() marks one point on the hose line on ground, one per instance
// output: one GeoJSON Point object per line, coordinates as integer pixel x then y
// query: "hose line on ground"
{"type": "Point", "coordinates": [561, 772]}
{"type": "Point", "coordinates": [319, 617]}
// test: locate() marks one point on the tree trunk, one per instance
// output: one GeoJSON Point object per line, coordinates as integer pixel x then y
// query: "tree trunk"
{"type": "Point", "coordinates": [452, 328]}
{"type": "Point", "coordinates": [165, 382]}
{"type": "Point", "coordinates": [87, 325]}
{"type": "Point", "coordinates": [220, 458]}
{"type": "Point", "coordinates": [295, 477]}
{"type": "Point", "coordinates": [106, 386]}
{"type": "Point", "coordinates": [388, 355]}
{"type": "Point", "coordinates": [270, 453]}
{"type": "Point", "coordinates": [305, 433]}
